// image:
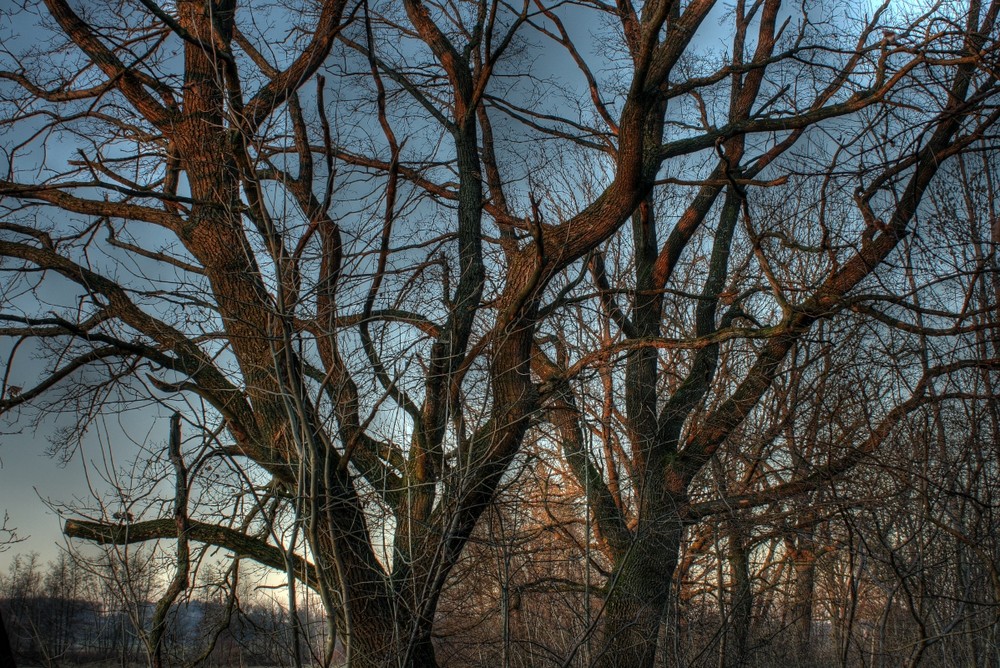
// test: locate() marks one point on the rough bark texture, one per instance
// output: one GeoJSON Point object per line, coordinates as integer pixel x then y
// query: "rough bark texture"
{"type": "Point", "coordinates": [638, 596]}
{"type": "Point", "coordinates": [270, 349]}
{"type": "Point", "coordinates": [804, 560]}
{"type": "Point", "coordinates": [742, 593]}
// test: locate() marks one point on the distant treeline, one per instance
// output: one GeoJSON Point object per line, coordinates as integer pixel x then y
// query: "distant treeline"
{"type": "Point", "coordinates": [70, 612]}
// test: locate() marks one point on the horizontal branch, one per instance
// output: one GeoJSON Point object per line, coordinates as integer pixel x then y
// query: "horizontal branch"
{"type": "Point", "coordinates": [211, 534]}
{"type": "Point", "coordinates": [53, 194]}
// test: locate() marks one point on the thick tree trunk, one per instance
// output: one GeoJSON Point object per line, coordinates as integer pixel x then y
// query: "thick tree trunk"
{"type": "Point", "coordinates": [742, 603]}
{"type": "Point", "coordinates": [352, 579]}
{"type": "Point", "coordinates": [6, 651]}
{"type": "Point", "coordinates": [376, 642]}
{"type": "Point", "coordinates": [638, 595]}
{"type": "Point", "coordinates": [368, 638]}
{"type": "Point", "coordinates": [804, 560]}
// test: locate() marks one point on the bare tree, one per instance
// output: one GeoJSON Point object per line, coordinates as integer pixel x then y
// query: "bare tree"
{"type": "Point", "coordinates": [706, 339]}
{"type": "Point", "coordinates": [351, 274]}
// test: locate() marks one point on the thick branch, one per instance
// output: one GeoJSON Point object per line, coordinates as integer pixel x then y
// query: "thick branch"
{"type": "Point", "coordinates": [130, 84]}
{"type": "Point", "coordinates": [212, 534]}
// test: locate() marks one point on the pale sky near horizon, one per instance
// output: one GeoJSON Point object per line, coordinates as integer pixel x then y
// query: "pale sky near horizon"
{"type": "Point", "coordinates": [22, 494]}
{"type": "Point", "coordinates": [31, 479]}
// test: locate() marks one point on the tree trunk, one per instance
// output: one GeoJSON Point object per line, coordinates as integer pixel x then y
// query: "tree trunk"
{"type": "Point", "coordinates": [6, 651]}
{"type": "Point", "coordinates": [804, 560]}
{"type": "Point", "coordinates": [742, 601]}
{"type": "Point", "coordinates": [639, 593]}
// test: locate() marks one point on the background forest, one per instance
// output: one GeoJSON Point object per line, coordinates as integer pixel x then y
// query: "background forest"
{"type": "Point", "coordinates": [479, 332]}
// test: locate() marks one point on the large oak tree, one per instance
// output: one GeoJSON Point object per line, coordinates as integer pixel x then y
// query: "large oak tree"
{"type": "Point", "coordinates": [346, 235]}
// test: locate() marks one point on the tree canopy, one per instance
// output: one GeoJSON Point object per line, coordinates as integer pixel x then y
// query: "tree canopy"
{"type": "Point", "coordinates": [418, 277]}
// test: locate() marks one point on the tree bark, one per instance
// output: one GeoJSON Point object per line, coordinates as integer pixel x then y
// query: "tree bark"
{"type": "Point", "coordinates": [6, 650]}
{"type": "Point", "coordinates": [639, 594]}
{"type": "Point", "coordinates": [804, 561]}
{"type": "Point", "coordinates": [742, 597]}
